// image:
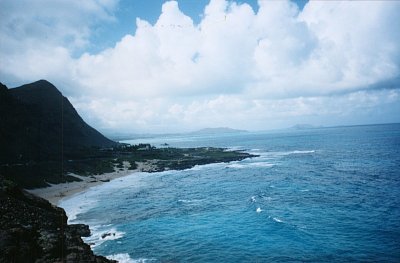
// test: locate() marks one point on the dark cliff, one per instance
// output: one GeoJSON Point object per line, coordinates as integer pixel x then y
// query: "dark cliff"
{"type": "Point", "coordinates": [40, 130]}
{"type": "Point", "coordinates": [32, 230]}
{"type": "Point", "coordinates": [39, 123]}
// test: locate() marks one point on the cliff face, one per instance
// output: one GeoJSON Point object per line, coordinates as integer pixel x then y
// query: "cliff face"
{"type": "Point", "coordinates": [40, 130]}
{"type": "Point", "coordinates": [39, 123]}
{"type": "Point", "coordinates": [32, 230]}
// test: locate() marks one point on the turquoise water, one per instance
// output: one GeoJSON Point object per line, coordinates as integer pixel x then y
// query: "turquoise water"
{"type": "Point", "coordinates": [320, 195]}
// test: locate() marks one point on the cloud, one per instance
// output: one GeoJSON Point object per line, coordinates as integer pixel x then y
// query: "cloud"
{"type": "Point", "coordinates": [236, 67]}
{"type": "Point", "coordinates": [43, 22]}
{"type": "Point", "coordinates": [40, 39]}
{"type": "Point", "coordinates": [278, 52]}
{"type": "Point", "coordinates": [357, 39]}
{"type": "Point", "coordinates": [163, 115]}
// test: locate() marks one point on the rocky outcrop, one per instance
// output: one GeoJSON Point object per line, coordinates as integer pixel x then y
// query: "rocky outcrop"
{"type": "Point", "coordinates": [33, 230]}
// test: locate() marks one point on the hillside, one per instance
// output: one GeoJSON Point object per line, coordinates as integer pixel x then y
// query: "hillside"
{"type": "Point", "coordinates": [43, 139]}
{"type": "Point", "coordinates": [39, 123]}
{"type": "Point", "coordinates": [40, 131]}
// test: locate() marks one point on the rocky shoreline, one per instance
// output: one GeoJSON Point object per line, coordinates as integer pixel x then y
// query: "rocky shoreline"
{"type": "Point", "coordinates": [154, 160]}
{"type": "Point", "coordinates": [33, 230]}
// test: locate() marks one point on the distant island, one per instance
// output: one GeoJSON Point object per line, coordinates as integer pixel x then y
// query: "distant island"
{"type": "Point", "coordinates": [44, 142]}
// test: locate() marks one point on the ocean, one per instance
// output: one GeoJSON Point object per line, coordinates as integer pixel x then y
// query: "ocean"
{"type": "Point", "coordinates": [315, 195]}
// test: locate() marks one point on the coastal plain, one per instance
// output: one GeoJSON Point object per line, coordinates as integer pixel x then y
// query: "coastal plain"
{"type": "Point", "coordinates": [164, 159]}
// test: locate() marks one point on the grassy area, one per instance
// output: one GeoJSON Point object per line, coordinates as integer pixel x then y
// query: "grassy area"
{"type": "Point", "coordinates": [92, 161]}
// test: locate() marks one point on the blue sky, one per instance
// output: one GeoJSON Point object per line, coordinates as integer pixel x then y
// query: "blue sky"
{"type": "Point", "coordinates": [106, 35]}
{"type": "Point", "coordinates": [170, 66]}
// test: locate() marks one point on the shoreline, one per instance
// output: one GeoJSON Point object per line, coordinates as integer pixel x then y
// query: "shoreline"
{"type": "Point", "coordinates": [187, 158]}
{"type": "Point", "coordinates": [56, 192]}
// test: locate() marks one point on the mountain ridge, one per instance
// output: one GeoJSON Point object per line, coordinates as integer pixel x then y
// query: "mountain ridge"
{"type": "Point", "coordinates": [39, 123]}
{"type": "Point", "coordinates": [39, 127]}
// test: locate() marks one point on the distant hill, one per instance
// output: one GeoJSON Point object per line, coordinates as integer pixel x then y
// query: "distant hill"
{"type": "Point", "coordinates": [217, 131]}
{"type": "Point", "coordinates": [39, 124]}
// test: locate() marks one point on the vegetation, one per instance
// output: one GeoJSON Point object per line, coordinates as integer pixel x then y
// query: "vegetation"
{"type": "Point", "coordinates": [93, 161]}
{"type": "Point", "coordinates": [43, 140]}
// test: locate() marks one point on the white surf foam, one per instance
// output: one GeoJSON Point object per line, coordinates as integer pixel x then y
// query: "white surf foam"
{"type": "Point", "coordinates": [261, 164]}
{"type": "Point", "coordinates": [101, 234]}
{"type": "Point", "coordinates": [302, 152]}
{"type": "Point", "coordinates": [277, 220]}
{"type": "Point", "coordinates": [261, 154]}
{"type": "Point", "coordinates": [236, 166]}
{"type": "Point", "coordinates": [89, 198]}
{"type": "Point", "coordinates": [206, 166]}
{"type": "Point", "coordinates": [125, 258]}
{"type": "Point", "coordinates": [85, 201]}
{"type": "Point", "coordinates": [235, 148]}
{"type": "Point", "coordinates": [249, 164]}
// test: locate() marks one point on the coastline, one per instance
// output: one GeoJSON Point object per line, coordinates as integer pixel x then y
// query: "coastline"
{"type": "Point", "coordinates": [56, 192]}
{"type": "Point", "coordinates": [186, 158]}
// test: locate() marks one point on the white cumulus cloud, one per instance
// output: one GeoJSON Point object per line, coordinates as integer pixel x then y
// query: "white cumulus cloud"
{"type": "Point", "coordinates": [236, 67]}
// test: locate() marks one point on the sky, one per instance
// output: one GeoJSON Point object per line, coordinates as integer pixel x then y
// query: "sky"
{"type": "Point", "coordinates": [173, 66]}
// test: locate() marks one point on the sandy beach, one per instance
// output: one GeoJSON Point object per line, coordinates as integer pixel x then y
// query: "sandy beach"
{"type": "Point", "coordinates": [55, 192]}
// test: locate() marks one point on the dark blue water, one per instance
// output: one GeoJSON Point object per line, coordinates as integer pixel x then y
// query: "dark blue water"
{"type": "Point", "coordinates": [320, 195]}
